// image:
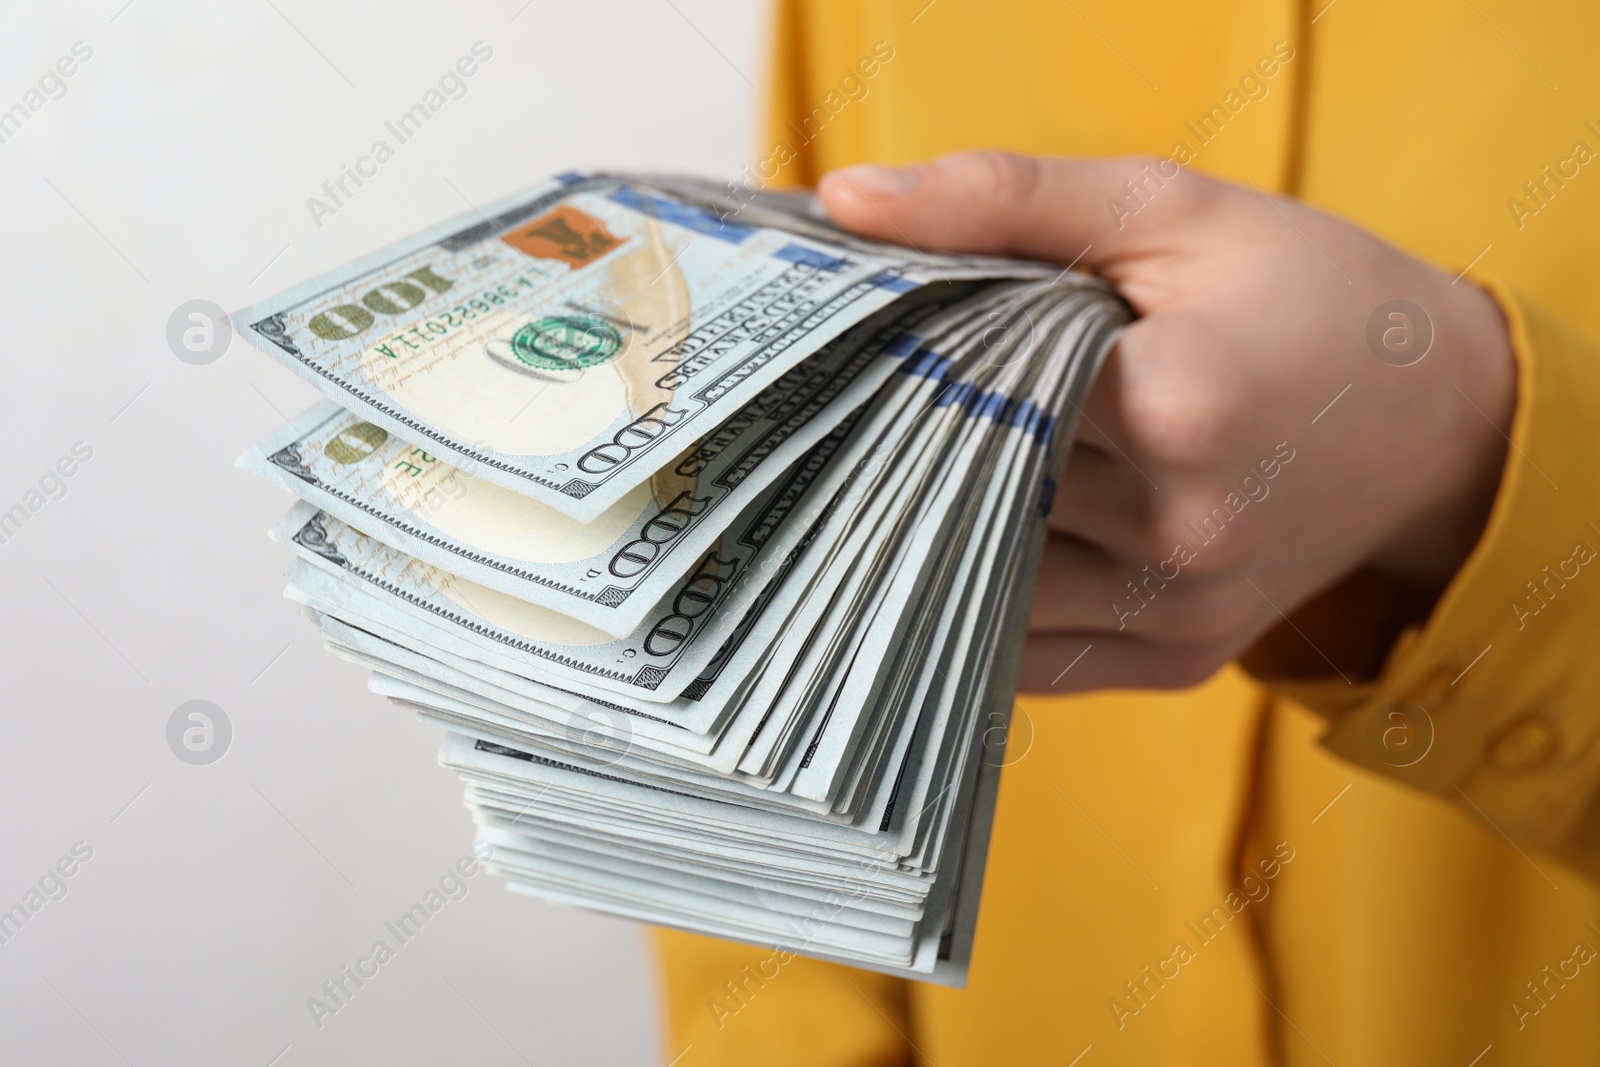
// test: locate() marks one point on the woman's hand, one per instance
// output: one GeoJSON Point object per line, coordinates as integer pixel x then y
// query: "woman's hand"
{"type": "Point", "coordinates": [1246, 446]}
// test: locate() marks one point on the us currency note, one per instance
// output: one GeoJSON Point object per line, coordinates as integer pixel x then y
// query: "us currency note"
{"type": "Point", "coordinates": [656, 662]}
{"type": "Point", "coordinates": [610, 572]}
{"type": "Point", "coordinates": [891, 506]}
{"type": "Point", "coordinates": [569, 342]}
{"type": "Point", "coordinates": [734, 668]}
{"type": "Point", "coordinates": [955, 512]}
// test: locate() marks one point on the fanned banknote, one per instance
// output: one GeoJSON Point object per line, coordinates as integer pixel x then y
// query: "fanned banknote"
{"type": "Point", "coordinates": [569, 343]}
{"type": "Point", "coordinates": [706, 532]}
{"type": "Point", "coordinates": [611, 571]}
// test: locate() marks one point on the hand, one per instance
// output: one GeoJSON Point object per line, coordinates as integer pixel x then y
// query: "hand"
{"type": "Point", "coordinates": [1212, 490]}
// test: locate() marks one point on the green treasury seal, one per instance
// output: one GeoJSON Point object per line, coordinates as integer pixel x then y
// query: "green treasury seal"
{"type": "Point", "coordinates": [566, 342]}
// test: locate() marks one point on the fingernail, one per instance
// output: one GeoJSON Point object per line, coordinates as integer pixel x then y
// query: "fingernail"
{"type": "Point", "coordinates": [877, 180]}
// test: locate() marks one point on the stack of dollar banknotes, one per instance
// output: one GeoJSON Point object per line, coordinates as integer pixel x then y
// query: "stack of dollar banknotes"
{"type": "Point", "coordinates": [707, 532]}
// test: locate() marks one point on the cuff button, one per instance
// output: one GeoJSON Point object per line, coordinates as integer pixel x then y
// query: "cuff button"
{"type": "Point", "coordinates": [1526, 745]}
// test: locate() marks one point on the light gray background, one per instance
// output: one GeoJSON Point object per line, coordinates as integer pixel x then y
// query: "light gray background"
{"type": "Point", "coordinates": [176, 167]}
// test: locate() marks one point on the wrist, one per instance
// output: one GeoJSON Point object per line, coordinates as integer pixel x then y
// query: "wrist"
{"type": "Point", "coordinates": [1476, 378]}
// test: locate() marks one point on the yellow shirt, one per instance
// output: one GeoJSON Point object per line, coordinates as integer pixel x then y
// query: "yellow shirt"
{"type": "Point", "coordinates": [1191, 878]}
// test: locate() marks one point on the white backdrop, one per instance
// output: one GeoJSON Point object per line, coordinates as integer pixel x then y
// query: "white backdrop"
{"type": "Point", "coordinates": [174, 164]}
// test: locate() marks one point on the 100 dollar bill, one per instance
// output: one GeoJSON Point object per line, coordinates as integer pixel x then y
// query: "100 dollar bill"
{"type": "Point", "coordinates": [678, 639]}
{"type": "Point", "coordinates": [569, 343]}
{"type": "Point", "coordinates": [608, 573]}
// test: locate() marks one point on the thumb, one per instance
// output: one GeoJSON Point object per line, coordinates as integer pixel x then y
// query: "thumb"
{"type": "Point", "coordinates": [1000, 203]}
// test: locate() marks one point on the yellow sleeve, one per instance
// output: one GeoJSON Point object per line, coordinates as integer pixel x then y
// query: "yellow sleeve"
{"type": "Point", "coordinates": [1493, 703]}
{"type": "Point", "coordinates": [729, 1005]}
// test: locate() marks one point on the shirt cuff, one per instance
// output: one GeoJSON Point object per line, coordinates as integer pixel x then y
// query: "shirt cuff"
{"type": "Point", "coordinates": [1494, 702]}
